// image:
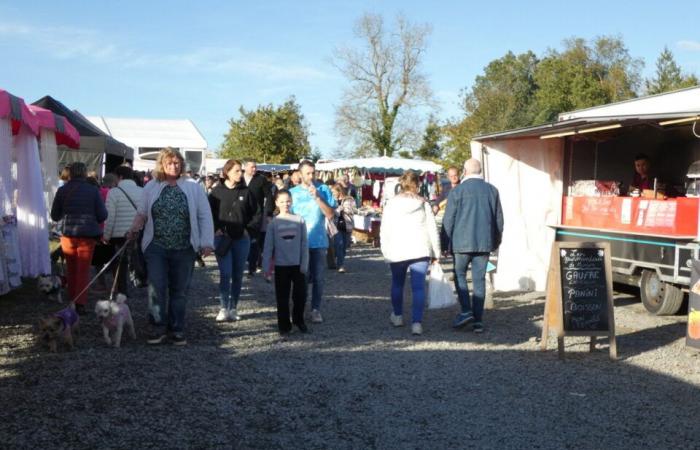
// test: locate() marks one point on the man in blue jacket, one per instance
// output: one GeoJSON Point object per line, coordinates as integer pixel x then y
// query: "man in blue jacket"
{"type": "Point", "coordinates": [474, 223]}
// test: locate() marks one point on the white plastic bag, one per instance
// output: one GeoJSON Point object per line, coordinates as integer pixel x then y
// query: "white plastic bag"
{"type": "Point", "coordinates": [439, 289]}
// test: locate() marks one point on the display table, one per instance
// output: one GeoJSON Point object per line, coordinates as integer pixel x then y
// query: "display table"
{"type": "Point", "coordinates": [366, 229]}
{"type": "Point", "coordinates": [676, 217]}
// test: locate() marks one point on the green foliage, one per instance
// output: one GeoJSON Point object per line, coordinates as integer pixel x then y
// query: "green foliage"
{"type": "Point", "coordinates": [668, 75]}
{"type": "Point", "coordinates": [585, 75]}
{"type": "Point", "coordinates": [517, 91]}
{"type": "Point", "coordinates": [269, 134]}
{"type": "Point", "coordinates": [430, 148]}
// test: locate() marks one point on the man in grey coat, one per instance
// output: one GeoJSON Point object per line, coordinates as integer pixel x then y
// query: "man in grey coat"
{"type": "Point", "coordinates": [474, 223]}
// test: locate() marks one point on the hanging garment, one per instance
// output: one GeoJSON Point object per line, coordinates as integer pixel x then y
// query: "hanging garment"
{"type": "Point", "coordinates": [10, 267]}
{"type": "Point", "coordinates": [48, 153]}
{"type": "Point", "coordinates": [32, 216]}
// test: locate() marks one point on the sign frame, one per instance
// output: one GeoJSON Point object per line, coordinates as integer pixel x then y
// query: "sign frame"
{"type": "Point", "coordinates": [553, 320]}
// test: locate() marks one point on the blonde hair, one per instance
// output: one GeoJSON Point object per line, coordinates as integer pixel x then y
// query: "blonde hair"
{"type": "Point", "coordinates": [164, 155]}
{"type": "Point", "coordinates": [409, 182]}
{"type": "Point", "coordinates": [340, 190]}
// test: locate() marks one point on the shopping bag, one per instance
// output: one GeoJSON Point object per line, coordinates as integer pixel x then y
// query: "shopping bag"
{"type": "Point", "coordinates": [439, 289]}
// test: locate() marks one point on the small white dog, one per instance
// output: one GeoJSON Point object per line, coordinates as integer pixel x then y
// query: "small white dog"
{"type": "Point", "coordinates": [114, 315]}
{"type": "Point", "coordinates": [51, 285]}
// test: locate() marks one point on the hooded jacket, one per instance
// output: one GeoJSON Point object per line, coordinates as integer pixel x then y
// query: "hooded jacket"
{"type": "Point", "coordinates": [408, 229]}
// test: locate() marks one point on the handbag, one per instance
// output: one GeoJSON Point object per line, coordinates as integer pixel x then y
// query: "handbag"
{"type": "Point", "coordinates": [223, 245]}
{"type": "Point", "coordinates": [331, 229]}
{"type": "Point", "coordinates": [138, 273]}
{"type": "Point", "coordinates": [439, 289]}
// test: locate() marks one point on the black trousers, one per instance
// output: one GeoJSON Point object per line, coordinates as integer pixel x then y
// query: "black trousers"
{"type": "Point", "coordinates": [289, 278]}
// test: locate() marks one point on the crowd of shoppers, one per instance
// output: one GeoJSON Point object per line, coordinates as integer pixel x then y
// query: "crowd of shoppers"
{"type": "Point", "coordinates": [282, 227]}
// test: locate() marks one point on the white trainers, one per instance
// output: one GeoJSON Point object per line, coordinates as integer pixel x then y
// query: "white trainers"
{"type": "Point", "coordinates": [233, 314]}
{"type": "Point", "coordinates": [397, 321]}
{"type": "Point", "coordinates": [417, 329]}
{"type": "Point", "coordinates": [316, 316]}
{"type": "Point", "coordinates": [222, 316]}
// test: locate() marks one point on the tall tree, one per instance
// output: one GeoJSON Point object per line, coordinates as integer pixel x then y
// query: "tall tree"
{"type": "Point", "coordinates": [501, 98]}
{"type": "Point", "coordinates": [385, 84]}
{"type": "Point", "coordinates": [585, 75]}
{"type": "Point", "coordinates": [430, 148]}
{"type": "Point", "coordinates": [277, 135]}
{"type": "Point", "coordinates": [668, 75]}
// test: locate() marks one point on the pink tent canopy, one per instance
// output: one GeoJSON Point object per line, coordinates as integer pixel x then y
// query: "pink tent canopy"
{"type": "Point", "coordinates": [18, 112]}
{"type": "Point", "coordinates": [66, 134]}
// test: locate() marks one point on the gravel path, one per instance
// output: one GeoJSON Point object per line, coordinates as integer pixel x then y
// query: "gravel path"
{"type": "Point", "coordinates": [354, 382]}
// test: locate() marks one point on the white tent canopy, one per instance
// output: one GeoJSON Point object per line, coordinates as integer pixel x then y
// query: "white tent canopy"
{"type": "Point", "coordinates": [381, 163]}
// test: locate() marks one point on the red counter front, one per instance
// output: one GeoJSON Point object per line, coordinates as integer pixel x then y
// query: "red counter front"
{"type": "Point", "coordinates": [676, 217]}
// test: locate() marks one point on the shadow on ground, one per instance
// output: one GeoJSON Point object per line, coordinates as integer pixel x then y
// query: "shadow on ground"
{"type": "Point", "coordinates": [354, 382]}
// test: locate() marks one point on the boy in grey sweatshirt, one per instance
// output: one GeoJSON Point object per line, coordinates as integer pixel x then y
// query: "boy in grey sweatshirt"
{"type": "Point", "coordinates": [287, 248]}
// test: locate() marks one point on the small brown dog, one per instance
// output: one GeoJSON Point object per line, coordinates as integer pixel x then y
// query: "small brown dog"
{"type": "Point", "coordinates": [59, 327]}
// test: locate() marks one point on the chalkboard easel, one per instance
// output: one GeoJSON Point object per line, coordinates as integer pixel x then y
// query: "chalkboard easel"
{"type": "Point", "coordinates": [579, 298]}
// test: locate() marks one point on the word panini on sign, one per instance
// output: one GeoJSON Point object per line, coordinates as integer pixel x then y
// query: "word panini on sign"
{"type": "Point", "coordinates": [579, 294]}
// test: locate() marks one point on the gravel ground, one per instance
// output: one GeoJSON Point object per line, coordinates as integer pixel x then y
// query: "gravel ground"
{"type": "Point", "coordinates": [354, 382]}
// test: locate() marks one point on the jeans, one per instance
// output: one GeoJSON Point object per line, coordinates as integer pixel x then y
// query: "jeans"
{"type": "Point", "coordinates": [418, 268]}
{"type": "Point", "coordinates": [341, 242]}
{"type": "Point", "coordinates": [78, 254]}
{"type": "Point", "coordinates": [478, 262]}
{"type": "Point", "coordinates": [231, 267]}
{"type": "Point", "coordinates": [289, 278]}
{"type": "Point", "coordinates": [316, 274]}
{"type": "Point", "coordinates": [169, 275]}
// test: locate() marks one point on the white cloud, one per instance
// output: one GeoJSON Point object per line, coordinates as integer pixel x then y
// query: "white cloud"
{"type": "Point", "coordinates": [88, 45]}
{"type": "Point", "coordinates": [693, 46]}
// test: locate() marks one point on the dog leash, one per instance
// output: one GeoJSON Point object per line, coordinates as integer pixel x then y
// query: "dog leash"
{"type": "Point", "coordinates": [116, 274]}
{"type": "Point", "coordinates": [105, 267]}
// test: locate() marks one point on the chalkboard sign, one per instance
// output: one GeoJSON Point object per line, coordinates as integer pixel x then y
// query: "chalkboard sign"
{"type": "Point", "coordinates": [579, 294]}
{"type": "Point", "coordinates": [584, 291]}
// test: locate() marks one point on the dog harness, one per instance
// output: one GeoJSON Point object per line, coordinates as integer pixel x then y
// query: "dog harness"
{"type": "Point", "coordinates": [68, 316]}
{"type": "Point", "coordinates": [112, 321]}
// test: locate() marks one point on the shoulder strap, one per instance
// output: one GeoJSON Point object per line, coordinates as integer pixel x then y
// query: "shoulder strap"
{"type": "Point", "coordinates": [128, 198]}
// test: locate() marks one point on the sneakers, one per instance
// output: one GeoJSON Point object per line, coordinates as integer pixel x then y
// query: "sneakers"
{"type": "Point", "coordinates": [302, 327]}
{"type": "Point", "coordinates": [341, 269]}
{"type": "Point", "coordinates": [463, 319]}
{"type": "Point", "coordinates": [157, 337]}
{"type": "Point", "coordinates": [179, 339]}
{"type": "Point", "coordinates": [417, 329]}
{"type": "Point", "coordinates": [397, 321]}
{"type": "Point", "coordinates": [478, 327]}
{"type": "Point", "coordinates": [222, 316]}
{"type": "Point", "coordinates": [233, 315]}
{"type": "Point", "coordinates": [316, 316]}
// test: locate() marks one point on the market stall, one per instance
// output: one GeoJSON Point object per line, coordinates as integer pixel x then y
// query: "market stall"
{"type": "Point", "coordinates": [376, 180]}
{"type": "Point", "coordinates": [570, 181]}
{"type": "Point", "coordinates": [54, 130]}
{"type": "Point", "coordinates": [23, 218]}
{"type": "Point", "coordinates": [98, 150]}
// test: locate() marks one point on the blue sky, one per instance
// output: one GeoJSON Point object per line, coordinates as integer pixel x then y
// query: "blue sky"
{"type": "Point", "coordinates": [202, 60]}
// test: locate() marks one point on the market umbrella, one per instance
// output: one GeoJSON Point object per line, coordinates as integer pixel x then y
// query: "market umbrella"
{"type": "Point", "coordinates": [66, 133]}
{"type": "Point", "coordinates": [14, 107]}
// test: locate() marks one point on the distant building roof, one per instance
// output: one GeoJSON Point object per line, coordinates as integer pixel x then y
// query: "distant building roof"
{"type": "Point", "coordinates": [155, 133]}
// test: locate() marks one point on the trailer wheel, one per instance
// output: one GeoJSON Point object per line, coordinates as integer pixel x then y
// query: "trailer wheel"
{"type": "Point", "coordinates": [658, 297]}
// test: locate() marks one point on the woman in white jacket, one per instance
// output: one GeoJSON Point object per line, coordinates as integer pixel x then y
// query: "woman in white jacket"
{"type": "Point", "coordinates": [410, 241]}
